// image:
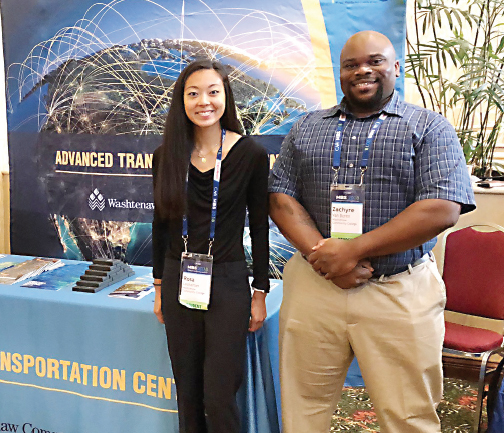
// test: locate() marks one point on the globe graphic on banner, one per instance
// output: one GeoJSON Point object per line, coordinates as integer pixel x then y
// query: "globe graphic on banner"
{"type": "Point", "coordinates": [79, 82]}
{"type": "Point", "coordinates": [127, 90]}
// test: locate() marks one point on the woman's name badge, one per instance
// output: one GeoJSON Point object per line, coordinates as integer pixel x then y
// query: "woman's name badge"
{"type": "Point", "coordinates": [195, 280]}
{"type": "Point", "coordinates": [347, 210]}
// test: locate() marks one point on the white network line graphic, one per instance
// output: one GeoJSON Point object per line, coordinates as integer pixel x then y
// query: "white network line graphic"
{"type": "Point", "coordinates": [118, 80]}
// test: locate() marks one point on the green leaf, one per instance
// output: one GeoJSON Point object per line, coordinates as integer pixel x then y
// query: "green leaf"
{"type": "Point", "coordinates": [501, 45]}
{"type": "Point", "coordinates": [449, 17]}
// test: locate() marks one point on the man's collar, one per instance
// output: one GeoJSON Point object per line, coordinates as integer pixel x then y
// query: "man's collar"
{"type": "Point", "coordinates": [392, 107]}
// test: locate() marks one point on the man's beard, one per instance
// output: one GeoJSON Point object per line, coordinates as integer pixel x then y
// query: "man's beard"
{"type": "Point", "coordinates": [374, 103]}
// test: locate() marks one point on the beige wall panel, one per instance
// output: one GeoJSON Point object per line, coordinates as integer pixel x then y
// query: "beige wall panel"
{"type": "Point", "coordinates": [4, 213]}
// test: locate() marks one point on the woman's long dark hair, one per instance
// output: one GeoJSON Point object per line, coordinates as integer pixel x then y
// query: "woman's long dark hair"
{"type": "Point", "coordinates": [178, 142]}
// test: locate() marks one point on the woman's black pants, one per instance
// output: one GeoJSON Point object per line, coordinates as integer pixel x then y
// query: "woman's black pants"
{"type": "Point", "coordinates": [207, 348]}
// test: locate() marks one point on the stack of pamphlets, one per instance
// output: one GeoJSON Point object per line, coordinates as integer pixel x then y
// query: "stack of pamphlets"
{"type": "Point", "coordinates": [135, 289]}
{"type": "Point", "coordinates": [58, 278]}
{"type": "Point", "coordinates": [28, 269]}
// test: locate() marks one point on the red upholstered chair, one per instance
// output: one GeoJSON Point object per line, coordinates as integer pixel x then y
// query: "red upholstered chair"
{"type": "Point", "coordinates": [473, 271]}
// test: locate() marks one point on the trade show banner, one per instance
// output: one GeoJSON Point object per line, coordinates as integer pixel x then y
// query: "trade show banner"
{"type": "Point", "coordinates": [89, 85]}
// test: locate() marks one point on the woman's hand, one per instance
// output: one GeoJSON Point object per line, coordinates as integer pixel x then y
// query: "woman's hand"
{"type": "Point", "coordinates": [157, 301]}
{"type": "Point", "coordinates": [257, 311]}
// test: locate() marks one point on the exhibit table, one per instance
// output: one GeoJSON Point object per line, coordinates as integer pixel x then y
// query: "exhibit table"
{"type": "Point", "coordinates": [73, 362]}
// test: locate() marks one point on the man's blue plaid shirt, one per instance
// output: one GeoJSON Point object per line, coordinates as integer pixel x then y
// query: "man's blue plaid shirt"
{"type": "Point", "coordinates": [416, 155]}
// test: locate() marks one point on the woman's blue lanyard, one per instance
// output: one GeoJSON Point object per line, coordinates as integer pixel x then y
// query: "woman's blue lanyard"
{"type": "Point", "coordinates": [338, 138]}
{"type": "Point", "coordinates": [215, 196]}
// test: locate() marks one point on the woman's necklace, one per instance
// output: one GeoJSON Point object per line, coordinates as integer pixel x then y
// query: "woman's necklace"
{"type": "Point", "coordinates": [202, 155]}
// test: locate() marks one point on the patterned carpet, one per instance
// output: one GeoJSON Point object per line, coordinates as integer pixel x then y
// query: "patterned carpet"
{"type": "Point", "coordinates": [355, 412]}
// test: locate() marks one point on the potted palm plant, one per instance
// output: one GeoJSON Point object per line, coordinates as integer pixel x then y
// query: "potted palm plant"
{"type": "Point", "coordinates": [455, 57]}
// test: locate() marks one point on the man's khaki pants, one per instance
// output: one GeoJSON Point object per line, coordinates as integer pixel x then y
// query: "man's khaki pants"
{"type": "Point", "coordinates": [393, 325]}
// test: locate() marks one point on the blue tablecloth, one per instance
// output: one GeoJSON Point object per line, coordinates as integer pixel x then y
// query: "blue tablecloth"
{"type": "Point", "coordinates": [73, 362]}
{"type": "Point", "coordinates": [259, 397]}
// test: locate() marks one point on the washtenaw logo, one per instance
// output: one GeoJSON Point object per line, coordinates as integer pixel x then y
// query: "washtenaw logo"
{"type": "Point", "coordinates": [130, 204]}
{"type": "Point", "coordinates": [96, 200]}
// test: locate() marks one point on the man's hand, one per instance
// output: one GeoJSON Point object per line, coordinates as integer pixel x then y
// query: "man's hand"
{"type": "Point", "coordinates": [357, 276]}
{"type": "Point", "coordinates": [257, 311]}
{"type": "Point", "coordinates": [334, 257]}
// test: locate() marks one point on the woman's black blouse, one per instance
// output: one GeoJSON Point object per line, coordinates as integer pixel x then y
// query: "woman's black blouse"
{"type": "Point", "coordinates": [244, 185]}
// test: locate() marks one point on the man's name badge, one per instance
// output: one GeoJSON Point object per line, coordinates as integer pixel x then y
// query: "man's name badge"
{"type": "Point", "coordinates": [195, 280]}
{"type": "Point", "coordinates": [347, 210]}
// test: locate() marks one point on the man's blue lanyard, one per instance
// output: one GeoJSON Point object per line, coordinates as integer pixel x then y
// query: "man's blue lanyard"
{"type": "Point", "coordinates": [215, 196]}
{"type": "Point", "coordinates": [338, 139]}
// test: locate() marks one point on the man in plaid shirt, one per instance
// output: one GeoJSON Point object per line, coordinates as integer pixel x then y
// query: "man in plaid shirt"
{"type": "Point", "coordinates": [377, 296]}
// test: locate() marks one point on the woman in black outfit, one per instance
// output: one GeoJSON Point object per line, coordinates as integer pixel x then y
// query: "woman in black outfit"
{"type": "Point", "coordinates": [207, 347]}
